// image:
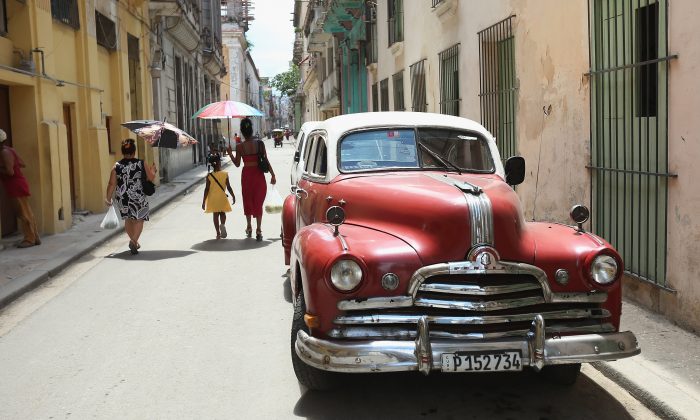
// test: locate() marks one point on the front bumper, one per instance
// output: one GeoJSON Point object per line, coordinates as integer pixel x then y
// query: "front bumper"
{"type": "Point", "coordinates": [425, 355]}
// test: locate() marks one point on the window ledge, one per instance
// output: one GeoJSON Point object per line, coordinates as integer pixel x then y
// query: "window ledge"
{"type": "Point", "coordinates": [396, 48]}
{"type": "Point", "coordinates": [445, 9]}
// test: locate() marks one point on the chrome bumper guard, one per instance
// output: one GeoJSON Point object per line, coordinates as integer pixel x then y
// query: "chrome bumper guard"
{"type": "Point", "coordinates": [424, 355]}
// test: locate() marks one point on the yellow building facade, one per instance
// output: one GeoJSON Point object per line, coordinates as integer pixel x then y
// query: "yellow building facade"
{"type": "Point", "coordinates": [71, 71]}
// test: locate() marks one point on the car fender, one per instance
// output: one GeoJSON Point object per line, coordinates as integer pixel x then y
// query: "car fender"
{"type": "Point", "coordinates": [316, 248]}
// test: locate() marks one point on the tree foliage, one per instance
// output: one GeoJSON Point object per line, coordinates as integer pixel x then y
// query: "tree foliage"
{"type": "Point", "coordinates": [286, 83]}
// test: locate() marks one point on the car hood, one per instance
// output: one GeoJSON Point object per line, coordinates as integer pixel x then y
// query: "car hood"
{"type": "Point", "coordinates": [430, 213]}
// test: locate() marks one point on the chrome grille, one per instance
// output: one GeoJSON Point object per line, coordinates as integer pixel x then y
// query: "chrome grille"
{"type": "Point", "coordinates": [472, 306]}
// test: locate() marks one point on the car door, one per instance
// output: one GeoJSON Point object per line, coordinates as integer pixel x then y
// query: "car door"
{"type": "Point", "coordinates": [313, 185]}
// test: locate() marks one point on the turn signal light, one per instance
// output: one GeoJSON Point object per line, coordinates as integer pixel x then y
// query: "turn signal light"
{"type": "Point", "coordinates": [312, 321]}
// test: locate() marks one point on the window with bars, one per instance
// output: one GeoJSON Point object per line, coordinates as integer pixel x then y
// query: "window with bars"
{"type": "Point", "coordinates": [436, 2]}
{"type": "Point", "coordinates": [418, 97]}
{"type": "Point", "coordinates": [395, 13]}
{"type": "Point", "coordinates": [3, 18]}
{"type": "Point", "coordinates": [497, 94]}
{"type": "Point", "coordinates": [384, 88]}
{"type": "Point", "coordinates": [66, 11]}
{"type": "Point", "coordinates": [375, 97]}
{"type": "Point", "coordinates": [106, 31]}
{"type": "Point", "coordinates": [397, 79]}
{"type": "Point", "coordinates": [449, 81]}
{"type": "Point", "coordinates": [629, 131]}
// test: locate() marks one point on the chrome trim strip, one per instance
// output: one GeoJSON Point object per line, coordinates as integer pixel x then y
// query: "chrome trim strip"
{"type": "Point", "coordinates": [375, 303]}
{"type": "Point", "coordinates": [380, 319]}
{"type": "Point", "coordinates": [480, 218]}
{"type": "Point", "coordinates": [343, 243]}
{"type": "Point", "coordinates": [476, 290]}
{"type": "Point", "coordinates": [494, 305]}
{"type": "Point", "coordinates": [398, 333]}
{"type": "Point", "coordinates": [396, 356]}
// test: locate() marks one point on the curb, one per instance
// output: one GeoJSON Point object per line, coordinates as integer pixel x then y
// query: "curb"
{"type": "Point", "coordinates": [27, 282]}
{"type": "Point", "coordinates": [649, 400]}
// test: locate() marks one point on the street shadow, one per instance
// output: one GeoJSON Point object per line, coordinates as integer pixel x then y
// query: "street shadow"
{"type": "Point", "coordinates": [453, 396]}
{"type": "Point", "coordinates": [230, 244]}
{"type": "Point", "coordinates": [151, 255]}
{"type": "Point", "coordinates": [287, 288]}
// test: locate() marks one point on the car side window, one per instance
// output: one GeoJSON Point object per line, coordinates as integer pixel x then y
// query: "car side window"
{"type": "Point", "coordinates": [301, 143]}
{"type": "Point", "coordinates": [320, 165]}
{"type": "Point", "coordinates": [308, 155]}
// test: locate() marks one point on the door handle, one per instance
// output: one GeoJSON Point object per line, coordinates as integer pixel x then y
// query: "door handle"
{"type": "Point", "coordinates": [300, 191]}
{"type": "Point", "coordinates": [293, 189]}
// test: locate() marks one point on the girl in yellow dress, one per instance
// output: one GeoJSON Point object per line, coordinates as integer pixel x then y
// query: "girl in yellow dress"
{"type": "Point", "coordinates": [215, 199]}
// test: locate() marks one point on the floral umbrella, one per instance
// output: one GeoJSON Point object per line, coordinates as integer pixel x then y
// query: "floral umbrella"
{"type": "Point", "coordinates": [160, 133]}
{"type": "Point", "coordinates": [227, 109]}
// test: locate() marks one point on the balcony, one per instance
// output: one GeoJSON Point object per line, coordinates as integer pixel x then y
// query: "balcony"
{"type": "Point", "coordinates": [181, 19]}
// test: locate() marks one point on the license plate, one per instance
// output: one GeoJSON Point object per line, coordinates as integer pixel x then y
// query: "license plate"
{"type": "Point", "coordinates": [499, 361]}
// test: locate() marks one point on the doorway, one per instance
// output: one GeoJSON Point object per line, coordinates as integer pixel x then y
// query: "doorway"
{"type": "Point", "coordinates": [8, 215]}
{"type": "Point", "coordinates": [68, 121]}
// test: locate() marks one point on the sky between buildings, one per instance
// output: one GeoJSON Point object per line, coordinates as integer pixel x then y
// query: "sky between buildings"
{"type": "Point", "coordinates": [272, 35]}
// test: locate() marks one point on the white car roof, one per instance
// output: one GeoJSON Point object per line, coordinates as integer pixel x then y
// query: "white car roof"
{"type": "Point", "coordinates": [336, 127]}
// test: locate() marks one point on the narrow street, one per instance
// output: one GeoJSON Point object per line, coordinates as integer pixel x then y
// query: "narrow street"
{"type": "Point", "coordinates": [192, 327]}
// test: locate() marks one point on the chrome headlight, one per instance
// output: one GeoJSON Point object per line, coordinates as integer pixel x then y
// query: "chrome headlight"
{"type": "Point", "coordinates": [604, 269]}
{"type": "Point", "coordinates": [346, 275]}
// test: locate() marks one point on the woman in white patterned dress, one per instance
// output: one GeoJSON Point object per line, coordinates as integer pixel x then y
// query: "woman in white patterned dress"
{"type": "Point", "coordinates": [125, 186]}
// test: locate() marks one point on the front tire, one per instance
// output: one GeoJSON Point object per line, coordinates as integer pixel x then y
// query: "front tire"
{"type": "Point", "coordinates": [312, 378]}
{"type": "Point", "coordinates": [562, 374]}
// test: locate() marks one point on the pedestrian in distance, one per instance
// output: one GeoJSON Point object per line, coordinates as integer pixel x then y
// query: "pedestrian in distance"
{"type": "Point", "coordinates": [126, 187]}
{"type": "Point", "coordinates": [215, 199]}
{"type": "Point", "coordinates": [253, 184]}
{"type": "Point", "coordinates": [17, 189]}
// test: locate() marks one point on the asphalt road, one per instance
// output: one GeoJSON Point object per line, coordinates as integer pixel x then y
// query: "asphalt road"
{"type": "Point", "coordinates": [197, 328]}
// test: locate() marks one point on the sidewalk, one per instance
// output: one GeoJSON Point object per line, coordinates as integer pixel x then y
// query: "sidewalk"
{"type": "Point", "coordinates": [665, 377]}
{"type": "Point", "coordinates": [24, 269]}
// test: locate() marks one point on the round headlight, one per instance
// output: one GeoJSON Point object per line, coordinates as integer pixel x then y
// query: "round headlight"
{"type": "Point", "coordinates": [604, 269]}
{"type": "Point", "coordinates": [346, 275]}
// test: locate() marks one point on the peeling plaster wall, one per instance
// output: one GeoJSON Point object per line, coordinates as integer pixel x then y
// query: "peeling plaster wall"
{"type": "Point", "coordinates": [551, 57]}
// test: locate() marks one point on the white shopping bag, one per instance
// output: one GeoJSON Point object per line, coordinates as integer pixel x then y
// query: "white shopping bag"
{"type": "Point", "coordinates": [273, 201]}
{"type": "Point", "coordinates": [111, 220]}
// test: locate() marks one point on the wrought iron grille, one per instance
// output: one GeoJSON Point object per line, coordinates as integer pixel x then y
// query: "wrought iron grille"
{"type": "Point", "coordinates": [449, 81]}
{"type": "Point", "coordinates": [498, 92]}
{"type": "Point", "coordinates": [629, 131]}
{"type": "Point", "coordinates": [395, 9]}
{"type": "Point", "coordinates": [375, 98]}
{"type": "Point", "coordinates": [384, 88]}
{"type": "Point", "coordinates": [66, 11]}
{"type": "Point", "coordinates": [418, 102]}
{"type": "Point", "coordinates": [106, 31]}
{"type": "Point", "coordinates": [397, 79]}
{"type": "Point", "coordinates": [436, 2]}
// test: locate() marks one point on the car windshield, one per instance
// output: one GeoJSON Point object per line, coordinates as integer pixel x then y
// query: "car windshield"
{"type": "Point", "coordinates": [439, 148]}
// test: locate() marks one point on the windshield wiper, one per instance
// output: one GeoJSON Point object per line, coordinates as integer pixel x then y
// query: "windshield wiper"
{"type": "Point", "coordinates": [445, 162]}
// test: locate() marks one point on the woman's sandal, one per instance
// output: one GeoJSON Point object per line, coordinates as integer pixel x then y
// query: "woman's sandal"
{"type": "Point", "coordinates": [133, 248]}
{"type": "Point", "coordinates": [249, 232]}
{"type": "Point", "coordinates": [258, 235]}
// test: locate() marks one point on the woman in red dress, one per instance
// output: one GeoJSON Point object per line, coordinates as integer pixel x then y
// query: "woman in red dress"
{"type": "Point", "coordinates": [253, 184]}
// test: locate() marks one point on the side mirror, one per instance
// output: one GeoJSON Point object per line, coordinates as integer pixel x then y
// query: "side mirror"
{"type": "Point", "coordinates": [515, 170]}
{"type": "Point", "coordinates": [296, 156]}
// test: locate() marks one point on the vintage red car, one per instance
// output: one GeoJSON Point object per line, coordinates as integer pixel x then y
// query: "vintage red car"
{"type": "Point", "coordinates": [408, 250]}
